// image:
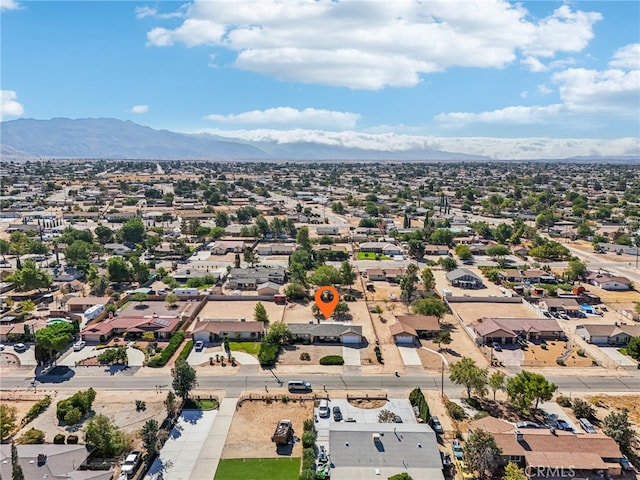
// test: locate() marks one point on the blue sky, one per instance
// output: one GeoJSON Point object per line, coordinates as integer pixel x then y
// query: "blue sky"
{"type": "Point", "coordinates": [492, 77]}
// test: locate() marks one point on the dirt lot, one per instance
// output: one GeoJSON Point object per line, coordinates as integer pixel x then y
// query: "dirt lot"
{"type": "Point", "coordinates": [254, 423]}
{"type": "Point", "coordinates": [461, 346]}
{"type": "Point", "coordinates": [609, 403]}
{"type": "Point", "coordinates": [291, 355]}
{"type": "Point", "coordinates": [473, 311]}
{"type": "Point", "coordinates": [536, 356]}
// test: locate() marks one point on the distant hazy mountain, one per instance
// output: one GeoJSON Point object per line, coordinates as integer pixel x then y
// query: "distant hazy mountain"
{"type": "Point", "coordinates": [111, 138]}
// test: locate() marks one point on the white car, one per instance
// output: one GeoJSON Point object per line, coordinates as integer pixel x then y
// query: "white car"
{"type": "Point", "coordinates": [79, 345]}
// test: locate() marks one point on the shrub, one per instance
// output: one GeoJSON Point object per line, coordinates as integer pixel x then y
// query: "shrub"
{"type": "Point", "coordinates": [309, 438]}
{"type": "Point", "coordinates": [480, 415]}
{"type": "Point", "coordinates": [472, 402]}
{"type": "Point", "coordinates": [560, 362]}
{"type": "Point", "coordinates": [284, 399]}
{"type": "Point", "coordinates": [161, 359]}
{"type": "Point", "coordinates": [186, 350]}
{"type": "Point", "coordinates": [37, 409]}
{"type": "Point", "coordinates": [332, 360]}
{"type": "Point", "coordinates": [455, 411]}
{"type": "Point", "coordinates": [309, 425]}
{"type": "Point", "coordinates": [378, 354]}
{"type": "Point", "coordinates": [58, 439]}
{"type": "Point", "coordinates": [563, 401]}
{"type": "Point", "coordinates": [416, 398]}
{"type": "Point", "coordinates": [141, 405]}
{"type": "Point", "coordinates": [268, 353]}
{"type": "Point", "coordinates": [308, 458]}
{"type": "Point", "coordinates": [581, 353]}
{"type": "Point", "coordinates": [544, 346]}
{"type": "Point", "coordinates": [32, 436]}
{"type": "Point", "coordinates": [72, 440]}
{"type": "Point", "coordinates": [79, 403]}
{"type": "Point", "coordinates": [582, 409]}
{"type": "Point", "coordinates": [305, 356]}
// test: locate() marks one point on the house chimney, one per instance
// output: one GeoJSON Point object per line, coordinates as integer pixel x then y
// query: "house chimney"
{"type": "Point", "coordinates": [519, 436]}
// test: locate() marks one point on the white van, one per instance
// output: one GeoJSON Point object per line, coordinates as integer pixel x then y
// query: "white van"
{"type": "Point", "coordinates": [93, 312]}
{"type": "Point", "coordinates": [323, 409]}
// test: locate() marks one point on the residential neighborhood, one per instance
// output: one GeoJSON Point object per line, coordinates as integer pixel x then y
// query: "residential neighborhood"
{"type": "Point", "coordinates": [472, 309]}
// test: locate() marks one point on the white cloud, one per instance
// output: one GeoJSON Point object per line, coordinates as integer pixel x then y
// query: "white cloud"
{"type": "Point", "coordinates": [627, 57]}
{"type": "Point", "coordinates": [9, 106]}
{"type": "Point", "coordinates": [544, 90]}
{"type": "Point", "coordinates": [524, 94]}
{"type": "Point", "coordinates": [144, 12]}
{"type": "Point", "coordinates": [140, 109]}
{"type": "Point", "coordinates": [371, 44]}
{"type": "Point", "coordinates": [497, 148]}
{"type": "Point", "coordinates": [9, 5]}
{"type": "Point", "coordinates": [309, 118]}
{"type": "Point", "coordinates": [533, 64]}
{"type": "Point", "coordinates": [518, 115]}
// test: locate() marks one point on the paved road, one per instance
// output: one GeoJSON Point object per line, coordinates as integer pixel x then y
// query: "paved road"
{"type": "Point", "coordinates": [234, 385]}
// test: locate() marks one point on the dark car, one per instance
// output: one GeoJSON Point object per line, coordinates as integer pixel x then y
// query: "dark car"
{"type": "Point", "coordinates": [337, 414]}
{"type": "Point", "coordinates": [436, 425]}
{"type": "Point", "coordinates": [562, 425]}
{"type": "Point", "coordinates": [397, 419]}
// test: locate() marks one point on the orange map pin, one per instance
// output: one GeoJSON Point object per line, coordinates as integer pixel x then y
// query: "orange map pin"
{"type": "Point", "coordinates": [327, 306]}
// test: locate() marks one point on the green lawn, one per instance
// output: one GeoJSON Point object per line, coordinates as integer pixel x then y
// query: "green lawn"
{"type": "Point", "coordinates": [372, 256]}
{"type": "Point", "coordinates": [250, 347]}
{"type": "Point", "coordinates": [202, 404]}
{"type": "Point", "coordinates": [258, 469]}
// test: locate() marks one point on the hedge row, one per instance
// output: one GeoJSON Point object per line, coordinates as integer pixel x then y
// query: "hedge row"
{"type": "Point", "coordinates": [161, 359]}
{"type": "Point", "coordinates": [36, 410]}
{"type": "Point", "coordinates": [332, 360]}
{"type": "Point", "coordinates": [416, 397]}
{"type": "Point", "coordinates": [309, 436]}
{"type": "Point", "coordinates": [186, 350]}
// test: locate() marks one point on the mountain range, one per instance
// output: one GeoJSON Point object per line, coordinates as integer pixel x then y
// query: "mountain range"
{"type": "Point", "coordinates": [24, 139]}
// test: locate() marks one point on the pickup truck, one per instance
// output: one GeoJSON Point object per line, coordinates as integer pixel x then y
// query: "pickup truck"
{"type": "Point", "coordinates": [131, 463]}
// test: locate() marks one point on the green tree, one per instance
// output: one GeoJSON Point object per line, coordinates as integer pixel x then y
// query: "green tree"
{"type": "Point", "coordinates": [184, 378]}
{"type": "Point", "coordinates": [401, 476]}
{"type": "Point", "coordinates": [497, 252]}
{"type": "Point", "coordinates": [118, 269]}
{"type": "Point", "coordinates": [8, 420]}
{"type": "Point", "coordinates": [170, 404]}
{"type": "Point", "coordinates": [139, 270]}
{"type": "Point", "coordinates": [416, 249]}
{"type": "Point", "coordinates": [171, 299]}
{"type": "Point", "coordinates": [467, 373]}
{"type": "Point", "coordinates": [99, 285]}
{"type": "Point", "coordinates": [442, 337]}
{"type": "Point", "coordinates": [463, 252]}
{"type": "Point", "coordinates": [326, 275]}
{"type": "Point", "coordinates": [503, 232]}
{"type": "Point", "coordinates": [428, 280]}
{"type": "Point", "coordinates": [30, 277]}
{"type": "Point", "coordinates": [441, 236]}
{"type": "Point", "coordinates": [104, 234]}
{"type": "Point", "coordinates": [222, 219]}
{"type": "Point", "coordinates": [78, 254]}
{"type": "Point", "coordinates": [302, 238]}
{"type": "Point", "coordinates": [27, 306]}
{"type": "Point", "coordinates": [55, 337]}
{"type": "Point", "coordinates": [513, 472]}
{"type": "Point", "coordinates": [348, 276]}
{"type": "Point", "coordinates": [429, 306]}
{"type": "Point", "coordinates": [149, 434]}
{"type": "Point", "coordinates": [497, 382]}
{"type": "Point", "coordinates": [16, 468]}
{"type": "Point", "coordinates": [408, 282]}
{"type": "Point", "coordinates": [575, 270]}
{"type": "Point", "coordinates": [526, 388]}
{"type": "Point", "coordinates": [633, 347]}
{"type": "Point", "coordinates": [132, 231]}
{"type": "Point", "coordinates": [260, 313]}
{"type": "Point", "coordinates": [139, 297]}
{"type": "Point", "coordinates": [448, 263]}
{"type": "Point", "coordinates": [617, 426]}
{"type": "Point", "coordinates": [102, 434]}
{"type": "Point", "coordinates": [250, 256]}
{"type": "Point", "coordinates": [482, 454]}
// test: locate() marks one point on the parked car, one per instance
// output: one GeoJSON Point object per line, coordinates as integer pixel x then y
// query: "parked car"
{"type": "Point", "coordinates": [323, 409]}
{"type": "Point", "coordinates": [20, 347]}
{"type": "Point", "coordinates": [563, 425]}
{"type": "Point", "coordinates": [1, 347]}
{"type": "Point", "coordinates": [131, 463]}
{"type": "Point", "coordinates": [199, 345]}
{"type": "Point", "coordinates": [527, 425]}
{"type": "Point", "coordinates": [458, 452]}
{"type": "Point", "coordinates": [79, 345]}
{"type": "Point", "coordinates": [337, 414]}
{"type": "Point", "coordinates": [497, 347]}
{"type": "Point", "coordinates": [626, 464]}
{"type": "Point", "coordinates": [436, 425]}
{"type": "Point", "coordinates": [397, 419]}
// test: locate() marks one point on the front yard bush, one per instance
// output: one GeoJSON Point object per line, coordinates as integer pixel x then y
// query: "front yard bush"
{"type": "Point", "coordinates": [563, 401]}
{"type": "Point", "coordinates": [72, 440]}
{"type": "Point", "coordinates": [36, 410]}
{"type": "Point", "coordinates": [163, 357]}
{"type": "Point", "coordinates": [33, 436]}
{"type": "Point", "coordinates": [455, 411]}
{"type": "Point", "coordinates": [332, 360]}
{"type": "Point", "coordinates": [416, 398]}
{"type": "Point", "coordinates": [378, 354]}
{"type": "Point", "coordinates": [58, 439]}
{"type": "Point", "coordinates": [309, 438]}
{"type": "Point", "coordinates": [186, 350]}
{"type": "Point", "coordinates": [73, 408]}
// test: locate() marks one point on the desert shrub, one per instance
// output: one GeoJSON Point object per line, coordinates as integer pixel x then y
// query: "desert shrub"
{"type": "Point", "coordinates": [309, 438]}
{"type": "Point", "coordinates": [416, 398]}
{"type": "Point", "coordinates": [72, 440]}
{"type": "Point", "coordinates": [305, 356]}
{"type": "Point", "coordinates": [141, 405]}
{"type": "Point", "coordinates": [308, 425]}
{"type": "Point", "coordinates": [544, 346]}
{"type": "Point", "coordinates": [472, 402]}
{"type": "Point", "coordinates": [480, 415]}
{"type": "Point", "coordinates": [581, 353]}
{"type": "Point", "coordinates": [332, 360]}
{"type": "Point", "coordinates": [563, 401]}
{"type": "Point", "coordinates": [582, 409]}
{"type": "Point", "coordinates": [58, 439]}
{"type": "Point", "coordinates": [32, 436]}
{"type": "Point", "coordinates": [284, 399]}
{"type": "Point", "coordinates": [455, 411]}
{"type": "Point", "coordinates": [37, 409]}
{"type": "Point", "coordinates": [186, 350]}
{"type": "Point", "coordinates": [560, 362]}
{"type": "Point", "coordinates": [80, 402]}
{"type": "Point", "coordinates": [378, 354]}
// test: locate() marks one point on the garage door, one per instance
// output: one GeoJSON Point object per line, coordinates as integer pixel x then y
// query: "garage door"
{"type": "Point", "coordinates": [201, 336]}
{"type": "Point", "coordinates": [350, 339]}
{"type": "Point", "coordinates": [404, 339]}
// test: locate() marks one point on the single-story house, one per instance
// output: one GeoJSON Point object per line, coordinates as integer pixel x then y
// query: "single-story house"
{"type": "Point", "coordinates": [250, 278]}
{"type": "Point", "coordinates": [327, 332]}
{"type": "Point", "coordinates": [326, 230]}
{"type": "Point", "coordinates": [464, 278]}
{"type": "Point", "coordinates": [333, 252]}
{"type": "Point", "coordinates": [275, 249]}
{"type": "Point", "coordinates": [210, 330]}
{"type": "Point", "coordinates": [382, 248]}
{"type": "Point", "coordinates": [409, 328]}
{"type": "Point", "coordinates": [436, 250]}
{"type": "Point", "coordinates": [117, 248]}
{"type": "Point", "coordinates": [80, 304]}
{"type": "Point", "coordinates": [51, 461]}
{"type": "Point", "coordinates": [599, 334]}
{"type": "Point", "coordinates": [606, 281]}
{"type": "Point", "coordinates": [570, 306]}
{"type": "Point", "coordinates": [546, 453]}
{"type": "Point", "coordinates": [268, 288]}
{"type": "Point", "coordinates": [375, 274]}
{"type": "Point", "coordinates": [526, 276]}
{"type": "Point", "coordinates": [222, 247]}
{"type": "Point", "coordinates": [134, 326]}
{"type": "Point", "coordinates": [508, 330]}
{"type": "Point", "coordinates": [183, 275]}
{"type": "Point", "coordinates": [391, 275]}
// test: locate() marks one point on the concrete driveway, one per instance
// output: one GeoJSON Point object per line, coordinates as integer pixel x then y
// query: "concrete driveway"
{"type": "Point", "coordinates": [616, 356]}
{"type": "Point", "coordinates": [410, 356]}
{"type": "Point", "coordinates": [510, 356]}
{"type": "Point", "coordinates": [26, 358]}
{"type": "Point", "coordinates": [351, 356]}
